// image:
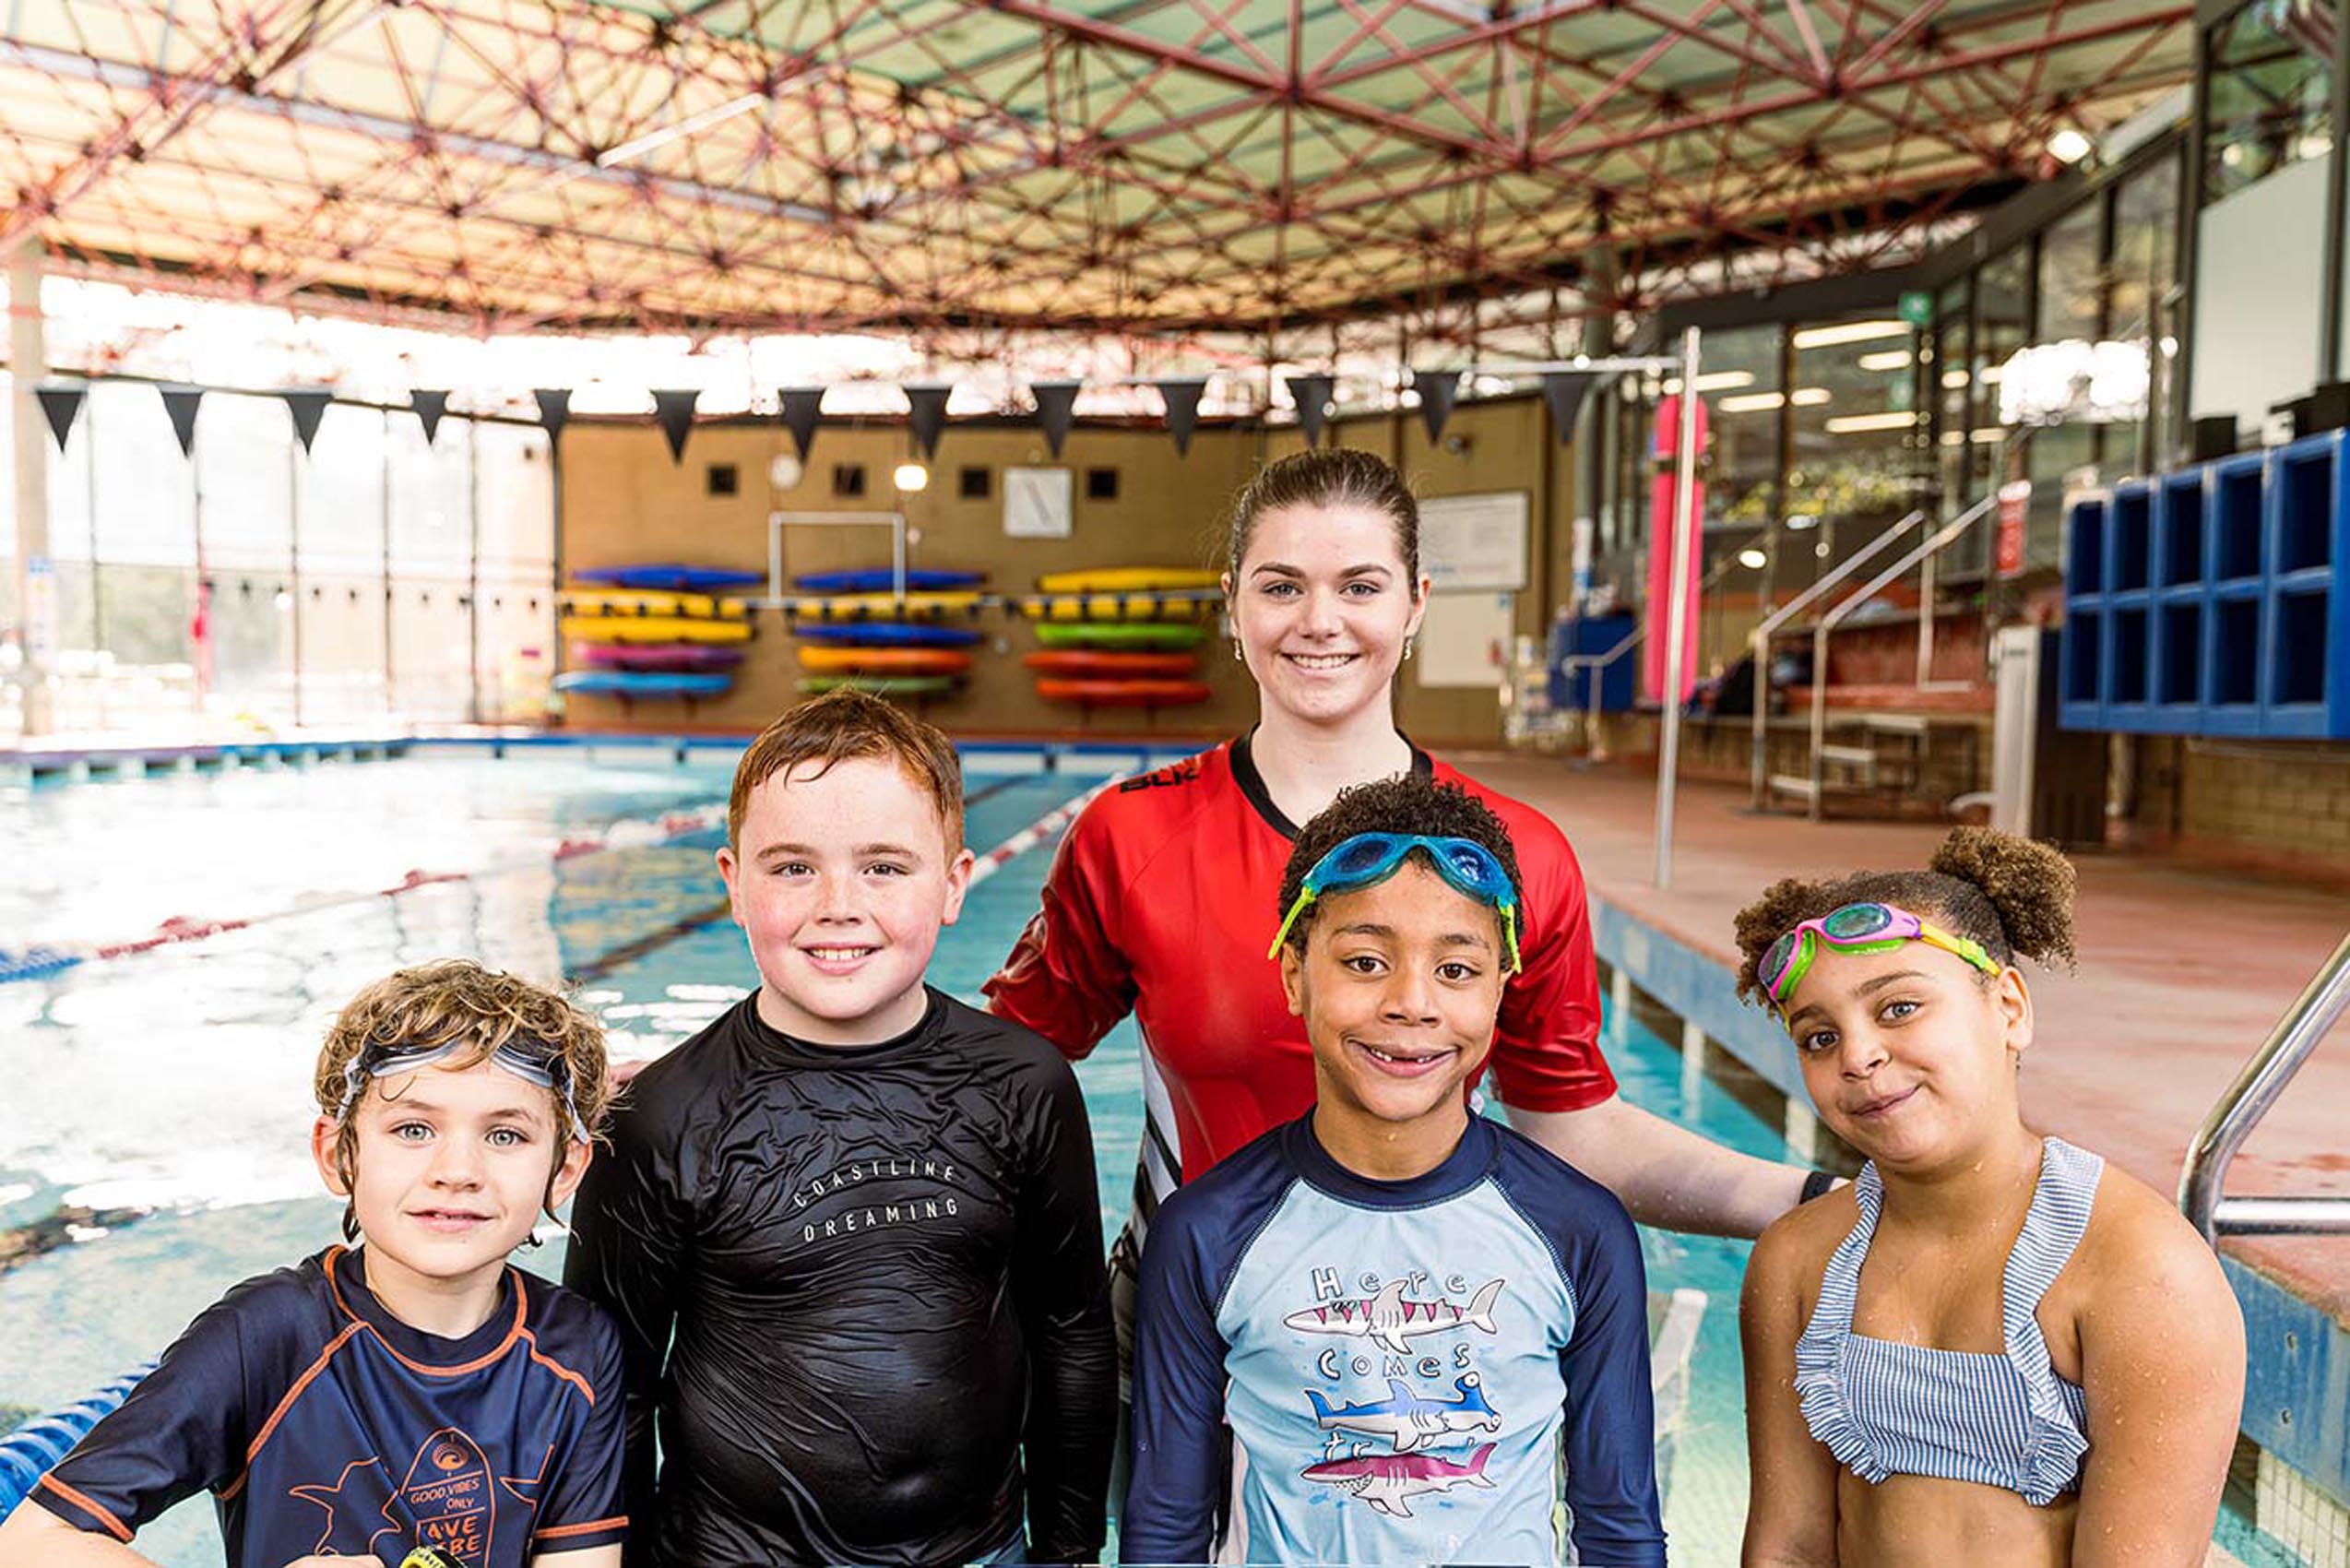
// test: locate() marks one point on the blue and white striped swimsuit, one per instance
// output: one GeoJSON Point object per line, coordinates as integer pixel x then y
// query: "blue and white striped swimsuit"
{"type": "Point", "coordinates": [2002, 1419]}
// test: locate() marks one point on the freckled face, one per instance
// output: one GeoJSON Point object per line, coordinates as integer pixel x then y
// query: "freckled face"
{"type": "Point", "coordinates": [1321, 607]}
{"type": "Point", "coordinates": [840, 880]}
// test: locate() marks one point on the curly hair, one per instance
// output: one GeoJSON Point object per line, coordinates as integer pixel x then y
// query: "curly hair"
{"type": "Point", "coordinates": [1410, 803]}
{"type": "Point", "coordinates": [2012, 895]}
{"type": "Point", "coordinates": [455, 1000]}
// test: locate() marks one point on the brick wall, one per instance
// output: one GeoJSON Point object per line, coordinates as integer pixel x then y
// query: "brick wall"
{"type": "Point", "coordinates": [2273, 806]}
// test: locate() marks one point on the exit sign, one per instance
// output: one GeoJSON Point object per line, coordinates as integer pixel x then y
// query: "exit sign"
{"type": "Point", "coordinates": [1918, 308]}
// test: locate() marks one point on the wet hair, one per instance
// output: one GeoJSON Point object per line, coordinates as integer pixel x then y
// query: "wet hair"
{"type": "Point", "coordinates": [2012, 895]}
{"type": "Point", "coordinates": [844, 724]}
{"type": "Point", "coordinates": [1410, 803]}
{"type": "Point", "coordinates": [458, 1000]}
{"type": "Point", "coordinates": [1333, 476]}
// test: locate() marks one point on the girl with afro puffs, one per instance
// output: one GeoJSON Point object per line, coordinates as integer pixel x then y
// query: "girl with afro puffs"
{"type": "Point", "coordinates": [1991, 1347]}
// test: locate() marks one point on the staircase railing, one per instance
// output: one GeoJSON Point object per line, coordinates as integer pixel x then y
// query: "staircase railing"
{"type": "Point", "coordinates": [1758, 641]}
{"type": "Point", "coordinates": [2202, 1184]}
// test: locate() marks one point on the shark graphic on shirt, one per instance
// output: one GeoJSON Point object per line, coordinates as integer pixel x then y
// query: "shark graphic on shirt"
{"type": "Point", "coordinates": [1389, 1481]}
{"type": "Point", "coordinates": [1406, 1420]}
{"type": "Point", "coordinates": [1393, 1322]}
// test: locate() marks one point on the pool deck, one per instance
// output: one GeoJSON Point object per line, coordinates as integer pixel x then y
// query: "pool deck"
{"type": "Point", "coordinates": [2183, 973]}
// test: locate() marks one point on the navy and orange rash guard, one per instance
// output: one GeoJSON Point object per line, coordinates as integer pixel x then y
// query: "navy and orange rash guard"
{"type": "Point", "coordinates": [324, 1426]}
{"type": "Point", "coordinates": [1161, 903]}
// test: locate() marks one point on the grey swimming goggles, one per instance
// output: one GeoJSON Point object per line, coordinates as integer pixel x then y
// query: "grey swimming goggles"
{"type": "Point", "coordinates": [534, 1062]}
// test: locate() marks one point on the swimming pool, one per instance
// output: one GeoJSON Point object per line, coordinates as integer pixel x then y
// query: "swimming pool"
{"type": "Point", "coordinates": [177, 1082]}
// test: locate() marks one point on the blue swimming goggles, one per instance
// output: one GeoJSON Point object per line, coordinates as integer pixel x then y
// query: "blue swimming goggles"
{"type": "Point", "coordinates": [533, 1060]}
{"type": "Point", "coordinates": [1367, 857]}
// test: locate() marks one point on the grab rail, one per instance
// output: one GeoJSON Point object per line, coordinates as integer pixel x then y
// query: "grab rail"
{"type": "Point", "coordinates": [1758, 641]}
{"type": "Point", "coordinates": [2201, 1197]}
{"type": "Point", "coordinates": [1941, 540]}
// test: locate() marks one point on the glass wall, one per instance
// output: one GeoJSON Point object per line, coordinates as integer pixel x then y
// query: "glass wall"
{"type": "Point", "coordinates": [2269, 99]}
{"type": "Point", "coordinates": [369, 583]}
{"type": "Point", "coordinates": [1858, 461]}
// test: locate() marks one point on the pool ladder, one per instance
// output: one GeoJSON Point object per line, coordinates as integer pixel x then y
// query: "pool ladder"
{"type": "Point", "coordinates": [2232, 1118]}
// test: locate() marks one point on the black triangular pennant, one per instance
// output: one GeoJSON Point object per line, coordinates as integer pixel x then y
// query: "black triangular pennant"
{"type": "Point", "coordinates": [1437, 390]}
{"type": "Point", "coordinates": [1312, 394]}
{"type": "Point", "coordinates": [926, 413]}
{"type": "Point", "coordinates": [801, 407]}
{"type": "Point", "coordinates": [1056, 407]}
{"type": "Point", "coordinates": [673, 410]}
{"type": "Point", "coordinates": [429, 407]}
{"type": "Point", "coordinates": [1564, 391]}
{"type": "Point", "coordinates": [63, 405]}
{"type": "Point", "coordinates": [308, 406]}
{"type": "Point", "coordinates": [554, 410]}
{"type": "Point", "coordinates": [1183, 400]}
{"type": "Point", "coordinates": [180, 404]}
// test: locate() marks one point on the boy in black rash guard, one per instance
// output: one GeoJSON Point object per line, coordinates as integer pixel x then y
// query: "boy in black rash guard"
{"type": "Point", "coordinates": [850, 1229]}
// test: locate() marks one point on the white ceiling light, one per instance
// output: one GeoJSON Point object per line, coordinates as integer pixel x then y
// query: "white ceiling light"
{"type": "Point", "coordinates": [1810, 396]}
{"type": "Point", "coordinates": [1712, 381]}
{"type": "Point", "coordinates": [2069, 146]}
{"type": "Point", "coordinates": [1849, 332]}
{"type": "Point", "coordinates": [1885, 359]}
{"type": "Point", "coordinates": [1855, 424]}
{"type": "Point", "coordinates": [1751, 402]}
{"type": "Point", "coordinates": [1753, 559]}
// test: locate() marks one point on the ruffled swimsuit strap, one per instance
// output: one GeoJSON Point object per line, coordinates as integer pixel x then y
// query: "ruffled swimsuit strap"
{"type": "Point", "coordinates": [2052, 1230]}
{"type": "Point", "coordinates": [1819, 1354]}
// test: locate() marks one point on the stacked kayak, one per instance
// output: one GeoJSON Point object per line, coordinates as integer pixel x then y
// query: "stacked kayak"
{"type": "Point", "coordinates": [655, 630]}
{"type": "Point", "coordinates": [857, 632]}
{"type": "Point", "coordinates": [1120, 637]}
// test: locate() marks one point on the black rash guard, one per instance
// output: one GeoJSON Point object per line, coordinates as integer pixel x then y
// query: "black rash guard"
{"type": "Point", "coordinates": [882, 1269]}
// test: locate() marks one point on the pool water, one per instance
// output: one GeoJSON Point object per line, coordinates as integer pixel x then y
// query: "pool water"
{"type": "Point", "coordinates": [178, 1081]}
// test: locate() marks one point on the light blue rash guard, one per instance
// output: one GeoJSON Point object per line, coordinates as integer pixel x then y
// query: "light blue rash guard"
{"type": "Point", "coordinates": [1331, 1368]}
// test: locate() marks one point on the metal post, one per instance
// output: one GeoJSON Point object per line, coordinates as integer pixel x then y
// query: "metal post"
{"type": "Point", "coordinates": [473, 571]}
{"type": "Point", "coordinates": [294, 559]}
{"type": "Point", "coordinates": [1677, 615]}
{"type": "Point", "coordinates": [384, 493]}
{"type": "Point", "coordinates": [36, 583]}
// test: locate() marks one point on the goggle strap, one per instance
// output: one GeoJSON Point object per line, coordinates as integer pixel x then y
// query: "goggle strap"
{"type": "Point", "coordinates": [1305, 896]}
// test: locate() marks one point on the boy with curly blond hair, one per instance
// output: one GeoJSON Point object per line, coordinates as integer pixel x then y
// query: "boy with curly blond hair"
{"type": "Point", "coordinates": [414, 1391]}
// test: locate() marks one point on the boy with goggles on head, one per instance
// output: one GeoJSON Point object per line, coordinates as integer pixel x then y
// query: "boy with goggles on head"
{"type": "Point", "coordinates": [1992, 1347]}
{"type": "Point", "coordinates": [1371, 1334]}
{"type": "Point", "coordinates": [417, 1391]}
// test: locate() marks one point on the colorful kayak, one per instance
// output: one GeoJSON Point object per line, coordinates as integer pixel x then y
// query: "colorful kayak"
{"type": "Point", "coordinates": [659, 658]}
{"type": "Point", "coordinates": [1125, 693]}
{"type": "Point", "coordinates": [1121, 634]}
{"type": "Point", "coordinates": [1110, 664]}
{"type": "Point", "coordinates": [669, 575]}
{"type": "Point", "coordinates": [647, 602]}
{"type": "Point", "coordinates": [1127, 579]}
{"type": "Point", "coordinates": [872, 579]}
{"type": "Point", "coordinates": [879, 685]}
{"type": "Point", "coordinates": [885, 607]}
{"type": "Point", "coordinates": [884, 660]}
{"type": "Point", "coordinates": [1137, 606]}
{"type": "Point", "coordinates": [886, 633]}
{"type": "Point", "coordinates": [632, 684]}
{"type": "Point", "coordinates": [653, 629]}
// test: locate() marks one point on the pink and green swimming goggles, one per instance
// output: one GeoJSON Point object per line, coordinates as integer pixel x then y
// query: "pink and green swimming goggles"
{"type": "Point", "coordinates": [1856, 928]}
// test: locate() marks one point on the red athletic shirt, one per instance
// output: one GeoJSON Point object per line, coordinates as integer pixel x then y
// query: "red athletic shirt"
{"type": "Point", "coordinates": [1160, 903]}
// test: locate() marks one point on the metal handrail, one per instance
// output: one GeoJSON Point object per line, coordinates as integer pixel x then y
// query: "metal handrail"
{"type": "Point", "coordinates": [1595, 662]}
{"type": "Point", "coordinates": [1759, 640]}
{"type": "Point", "coordinates": [1941, 540]}
{"type": "Point", "coordinates": [2201, 1184]}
